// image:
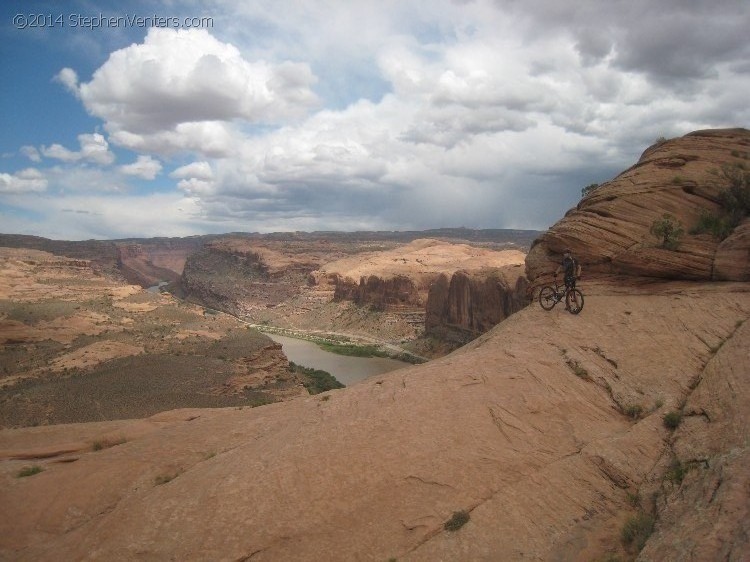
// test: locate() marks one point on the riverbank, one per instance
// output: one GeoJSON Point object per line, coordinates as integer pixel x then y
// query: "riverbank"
{"type": "Point", "coordinates": [345, 344]}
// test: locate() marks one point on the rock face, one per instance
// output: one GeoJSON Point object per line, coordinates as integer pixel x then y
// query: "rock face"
{"type": "Point", "coordinates": [470, 303]}
{"type": "Point", "coordinates": [542, 430]}
{"type": "Point", "coordinates": [609, 230]}
{"type": "Point", "coordinates": [392, 293]}
{"type": "Point", "coordinates": [234, 275]}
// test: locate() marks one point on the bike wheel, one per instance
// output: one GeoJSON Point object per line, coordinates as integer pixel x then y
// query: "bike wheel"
{"type": "Point", "coordinates": [547, 298]}
{"type": "Point", "coordinates": [574, 301]}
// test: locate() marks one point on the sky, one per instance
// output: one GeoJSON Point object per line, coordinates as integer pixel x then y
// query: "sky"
{"type": "Point", "coordinates": [176, 118]}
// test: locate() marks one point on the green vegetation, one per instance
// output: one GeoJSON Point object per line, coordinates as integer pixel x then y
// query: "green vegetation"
{"type": "Point", "coordinates": [734, 204]}
{"type": "Point", "coordinates": [164, 478]}
{"type": "Point", "coordinates": [353, 350]}
{"type": "Point", "coordinates": [634, 411]}
{"type": "Point", "coordinates": [589, 189]}
{"type": "Point", "coordinates": [709, 223]}
{"type": "Point", "coordinates": [316, 380]}
{"type": "Point", "coordinates": [457, 520]}
{"type": "Point", "coordinates": [577, 369]}
{"type": "Point", "coordinates": [29, 471]}
{"type": "Point", "coordinates": [634, 499]}
{"type": "Point", "coordinates": [669, 230]}
{"type": "Point", "coordinates": [672, 420]}
{"type": "Point", "coordinates": [677, 471]}
{"type": "Point", "coordinates": [636, 531]}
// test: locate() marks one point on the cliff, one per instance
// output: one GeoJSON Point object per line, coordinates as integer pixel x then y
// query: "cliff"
{"type": "Point", "coordinates": [401, 278]}
{"type": "Point", "coordinates": [238, 276]}
{"type": "Point", "coordinates": [466, 304]}
{"type": "Point", "coordinates": [609, 230]}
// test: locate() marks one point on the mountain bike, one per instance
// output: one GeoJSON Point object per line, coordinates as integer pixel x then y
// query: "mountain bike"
{"type": "Point", "coordinates": [549, 296]}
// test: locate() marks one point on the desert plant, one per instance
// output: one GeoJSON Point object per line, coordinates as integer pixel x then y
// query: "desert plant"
{"type": "Point", "coordinates": [29, 471]}
{"type": "Point", "coordinates": [579, 371]}
{"type": "Point", "coordinates": [636, 531]}
{"type": "Point", "coordinates": [634, 499]}
{"type": "Point", "coordinates": [669, 230]}
{"type": "Point", "coordinates": [634, 411]}
{"type": "Point", "coordinates": [677, 471]}
{"type": "Point", "coordinates": [711, 223]}
{"type": "Point", "coordinates": [588, 189]}
{"type": "Point", "coordinates": [457, 520]}
{"type": "Point", "coordinates": [672, 420]}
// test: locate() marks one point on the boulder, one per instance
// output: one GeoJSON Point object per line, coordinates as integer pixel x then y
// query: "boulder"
{"type": "Point", "coordinates": [609, 231]}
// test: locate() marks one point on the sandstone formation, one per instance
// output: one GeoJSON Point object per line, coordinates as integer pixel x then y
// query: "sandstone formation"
{"type": "Point", "coordinates": [402, 277]}
{"type": "Point", "coordinates": [543, 430]}
{"type": "Point", "coordinates": [470, 303]}
{"type": "Point", "coordinates": [609, 230]}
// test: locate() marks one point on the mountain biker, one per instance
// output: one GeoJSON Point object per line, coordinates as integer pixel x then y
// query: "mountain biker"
{"type": "Point", "coordinates": [571, 269]}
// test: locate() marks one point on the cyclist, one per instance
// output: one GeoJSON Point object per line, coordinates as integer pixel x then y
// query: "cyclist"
{"type": "Point", "coordinates": [571, 269]}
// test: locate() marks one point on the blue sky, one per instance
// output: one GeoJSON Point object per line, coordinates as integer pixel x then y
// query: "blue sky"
{"type": "Point", "coordinates": [178, 118]}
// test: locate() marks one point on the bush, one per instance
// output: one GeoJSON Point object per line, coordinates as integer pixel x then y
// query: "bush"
{"type": "Point", "coordinates": [669, 230]}
{"type": "Point", "coordinates": [710, 223]}
{"type": "Point", "coordinates": [29, 471]}
{"type": "Point", "coordinates": [457, 520]}
{"type": "Point", "coordinates": [316, 380]}
{"type": "Point", "coordinates": [588, 189]}
{"type": "Point", "coordinates": [672, 420]}
{"type": "Point", "coordinates": [634, 411]}
{"type": "Point", "coordinates": [636, 531]}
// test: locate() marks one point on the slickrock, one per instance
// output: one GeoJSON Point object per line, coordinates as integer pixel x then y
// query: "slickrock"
{"type": "Point", "coordinates": [539, 430]}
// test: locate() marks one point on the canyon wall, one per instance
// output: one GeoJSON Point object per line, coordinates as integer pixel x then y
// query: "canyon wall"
{"type": "Point", "coordinates": [610, 229]}
{"type": "Point", "coordinates": [466, 304]}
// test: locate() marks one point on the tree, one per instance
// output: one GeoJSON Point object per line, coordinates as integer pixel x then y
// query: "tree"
{"type": "Point", "coordinates": [669, 230]}
{"type": "Point", "coordinates": [588, 189]}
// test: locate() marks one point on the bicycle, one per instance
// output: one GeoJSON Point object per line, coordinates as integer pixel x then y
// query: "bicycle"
{"type": "Point", "coordinates": [549, 296]}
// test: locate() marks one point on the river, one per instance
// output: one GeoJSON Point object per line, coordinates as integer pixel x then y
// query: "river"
{"type": "Point", "coordinates": [347, 370]}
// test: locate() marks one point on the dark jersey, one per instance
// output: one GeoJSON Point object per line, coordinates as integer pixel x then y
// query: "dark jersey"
{"type": "Point", "coordinates": [569, 266]}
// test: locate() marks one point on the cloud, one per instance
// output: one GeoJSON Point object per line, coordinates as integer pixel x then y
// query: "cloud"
{"type": "Point", "coordinates": [487, 113]}
{"type": "Point", "coordinates": [164, 93]}
{"type": "Point", "coordinates": [31, 153]}
{"type": "Point", "coordinates": [198, 170]}
{"type": "Point", "coordinates": [93, 148]}
{"type": "Point", "coordinates": [144, 167]}
{"type": "Point", "coordinates": [68, 78]}
{"type": "Point", "coordinates": [26, 181]}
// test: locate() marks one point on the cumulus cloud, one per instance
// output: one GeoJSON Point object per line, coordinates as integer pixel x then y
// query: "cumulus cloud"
{"type": "Point", "coordinates": [164, 94]}
{"type": "Point", "coordinates": [68, 78]}
{"type": "Point", "coordinates": [487, 113]}
{"type": "Point", "coordinates": [26, 181]}
{"type": "Point", "coordinates": [144, 167]}
{"type": "Point", "coordinates": [93, 148]}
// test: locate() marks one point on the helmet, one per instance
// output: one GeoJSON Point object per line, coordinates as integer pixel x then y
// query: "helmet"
{"type": "Point", "coordinates": [567, 251]}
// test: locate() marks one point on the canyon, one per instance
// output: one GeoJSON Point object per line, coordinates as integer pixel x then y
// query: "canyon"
{"type": "Point", "coordinates": [619, 433]}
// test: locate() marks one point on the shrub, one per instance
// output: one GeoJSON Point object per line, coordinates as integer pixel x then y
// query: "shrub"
{"type": "Point", "coordinates": [634, 411]}
{"type": "Point", "coordinates": [711, 223]}
{"type": "Point", "coordinates": [672, 420]}
{"type": "Point", "coordinates": [636, 531]}
{"type": "Point", "coordinates": [579, 371]}
{"type": "Point", "coordinates": [457, 520]}
{"type": "Point", "coordinates": [588, 189]}
{"type": "Point", "coordinates": [29, 471]}
{"type": "Point", "coordinates": [669, 230]}
{"type": "Point", "coordinates": [677, 471]}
